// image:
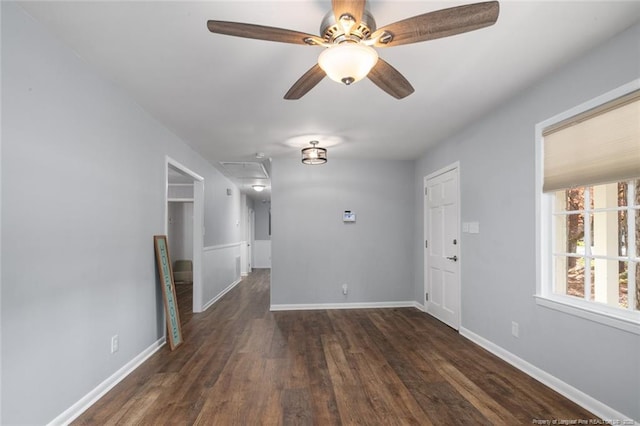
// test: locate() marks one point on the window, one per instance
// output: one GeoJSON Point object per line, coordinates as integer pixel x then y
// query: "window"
{"type": "Point", "coordinates": [596, 238]}
{"type": "Point", "coordinates": [588, 177]}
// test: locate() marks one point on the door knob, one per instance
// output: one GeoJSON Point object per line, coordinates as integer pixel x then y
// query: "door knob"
{"type": "Point", "coordinates": [454, 258]}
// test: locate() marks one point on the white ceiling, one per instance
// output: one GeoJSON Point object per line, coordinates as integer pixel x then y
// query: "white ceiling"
{"type": "Point", "coordinates": [224, 95]}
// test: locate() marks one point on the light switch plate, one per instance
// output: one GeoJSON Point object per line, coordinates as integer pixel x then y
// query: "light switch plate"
{"type": "Point", "coordinates": [474, 228]}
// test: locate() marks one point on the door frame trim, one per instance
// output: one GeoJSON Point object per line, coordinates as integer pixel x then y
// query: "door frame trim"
{"type": "Point", "coordinates": [198, 224]}
{"type": "Point", "coordinates": [450, 167]}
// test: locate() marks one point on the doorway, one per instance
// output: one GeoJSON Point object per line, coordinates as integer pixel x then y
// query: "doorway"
{"type": "Point", "coordinates": [185, 187]}
{"type": "Point", "coordinates": [180, 236]}
{"type": "Point", "coordinates": [252, 238]}
{"type": "Point", "coordinates": [442, 245]}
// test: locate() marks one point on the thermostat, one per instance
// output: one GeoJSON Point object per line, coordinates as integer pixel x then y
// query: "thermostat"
{"type": "Point", "coordinates": [348, 216]}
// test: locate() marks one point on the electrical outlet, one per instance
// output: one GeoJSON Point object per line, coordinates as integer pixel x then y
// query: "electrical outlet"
{"type": "Point", "coordinates": [345, 289]}
{"type": "Point", "coordinates": [515, 329]}
{"type": "Point", "coordinates": [115, 344]}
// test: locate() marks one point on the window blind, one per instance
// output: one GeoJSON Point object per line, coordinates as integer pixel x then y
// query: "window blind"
{"type": "Point", "coordinates": [598, 146]}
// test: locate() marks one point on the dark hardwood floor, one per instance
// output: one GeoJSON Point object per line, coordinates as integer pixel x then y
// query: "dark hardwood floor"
{"type": "Point", "coordinates": [244, 365]}
{"type": "Point", "coordinates": [184, 294]}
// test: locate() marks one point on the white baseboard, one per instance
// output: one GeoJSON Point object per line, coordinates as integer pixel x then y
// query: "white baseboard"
{"type": "Point", "coordinates": [222, 293]}
{"type": "Point", "coordinates": [323, 306]}
{"type": "Point", "coordinates": [71, 413]}
{"type": "Point", "coordinates": [587, 402]}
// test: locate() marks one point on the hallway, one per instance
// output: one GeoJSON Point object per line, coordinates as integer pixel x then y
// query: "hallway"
{"type": "Point", "coordinates": [242, 364]}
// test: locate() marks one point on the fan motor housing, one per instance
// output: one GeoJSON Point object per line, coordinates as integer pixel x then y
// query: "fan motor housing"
{"type": "Point", "coordinates": [332, 32]}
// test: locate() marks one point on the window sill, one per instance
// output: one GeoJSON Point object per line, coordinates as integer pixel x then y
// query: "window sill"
{"type": "Point", "coordinates": [627, 321]}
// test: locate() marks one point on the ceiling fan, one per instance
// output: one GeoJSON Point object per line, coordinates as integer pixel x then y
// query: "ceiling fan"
{"type": "Point", "coordinates": [349, 34]}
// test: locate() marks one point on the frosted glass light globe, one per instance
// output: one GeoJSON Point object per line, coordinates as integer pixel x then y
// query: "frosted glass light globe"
{"type": "Point", "coordinates": [348, 62]}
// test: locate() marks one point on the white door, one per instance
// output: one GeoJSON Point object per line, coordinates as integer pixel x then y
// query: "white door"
{"type": "Point", "coordinates": [442, 242]}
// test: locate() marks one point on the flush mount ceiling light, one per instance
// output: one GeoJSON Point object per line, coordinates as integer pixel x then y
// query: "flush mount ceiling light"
{"type": "Point", "coordinates": [258, 188]}
{"type": "Point", "coordinates": [348, 33]}
{"type": "Point", "coordinates": [347, 62]}
{"type": "Point", "coordinates": [314, 154]}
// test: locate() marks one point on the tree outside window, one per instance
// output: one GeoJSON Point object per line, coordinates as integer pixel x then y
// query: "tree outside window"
{"type": "Point", "coordinates": [597, 243]}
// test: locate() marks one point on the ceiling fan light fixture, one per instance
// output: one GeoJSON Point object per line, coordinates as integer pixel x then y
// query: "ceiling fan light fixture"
{"type": "Point", "coordinates": [314, 154]}
{"type": "Point", "coordinates": [347, 62]}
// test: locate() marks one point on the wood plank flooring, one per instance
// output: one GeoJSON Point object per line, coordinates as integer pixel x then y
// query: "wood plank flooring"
{"type": "Point", "coordinates": [244, 365]}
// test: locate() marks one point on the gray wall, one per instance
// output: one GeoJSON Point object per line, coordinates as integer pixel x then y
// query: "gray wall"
{"type": "Point", "coordinates": [76, 271]}
{"type": "Point", "coordinates": [498, 264]}
{"type": "Point", "coordinates": [314, 252]}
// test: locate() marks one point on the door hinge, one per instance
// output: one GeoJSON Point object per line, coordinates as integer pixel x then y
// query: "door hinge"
{"type": "Point", "coordinates": [426, 244]}
{"type": "Point", "coordinates": [425, 191]}
{"type": "Point", "coordinates": [426, 297]}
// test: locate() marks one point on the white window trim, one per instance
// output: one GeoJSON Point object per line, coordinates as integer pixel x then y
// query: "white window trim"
{"type": "Point", "coordinates": [626, 320]}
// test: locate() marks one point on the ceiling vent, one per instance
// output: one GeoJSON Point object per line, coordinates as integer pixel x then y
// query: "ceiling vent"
{"type": "Point", "coordinates": [251, 170]}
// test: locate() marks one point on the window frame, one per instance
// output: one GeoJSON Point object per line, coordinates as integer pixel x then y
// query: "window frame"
{"type": "Point", "coordinates": [624, 319]}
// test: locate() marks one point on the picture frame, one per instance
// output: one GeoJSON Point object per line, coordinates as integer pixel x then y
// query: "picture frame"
{"type": "Point", "coordinates": [163, 261]}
